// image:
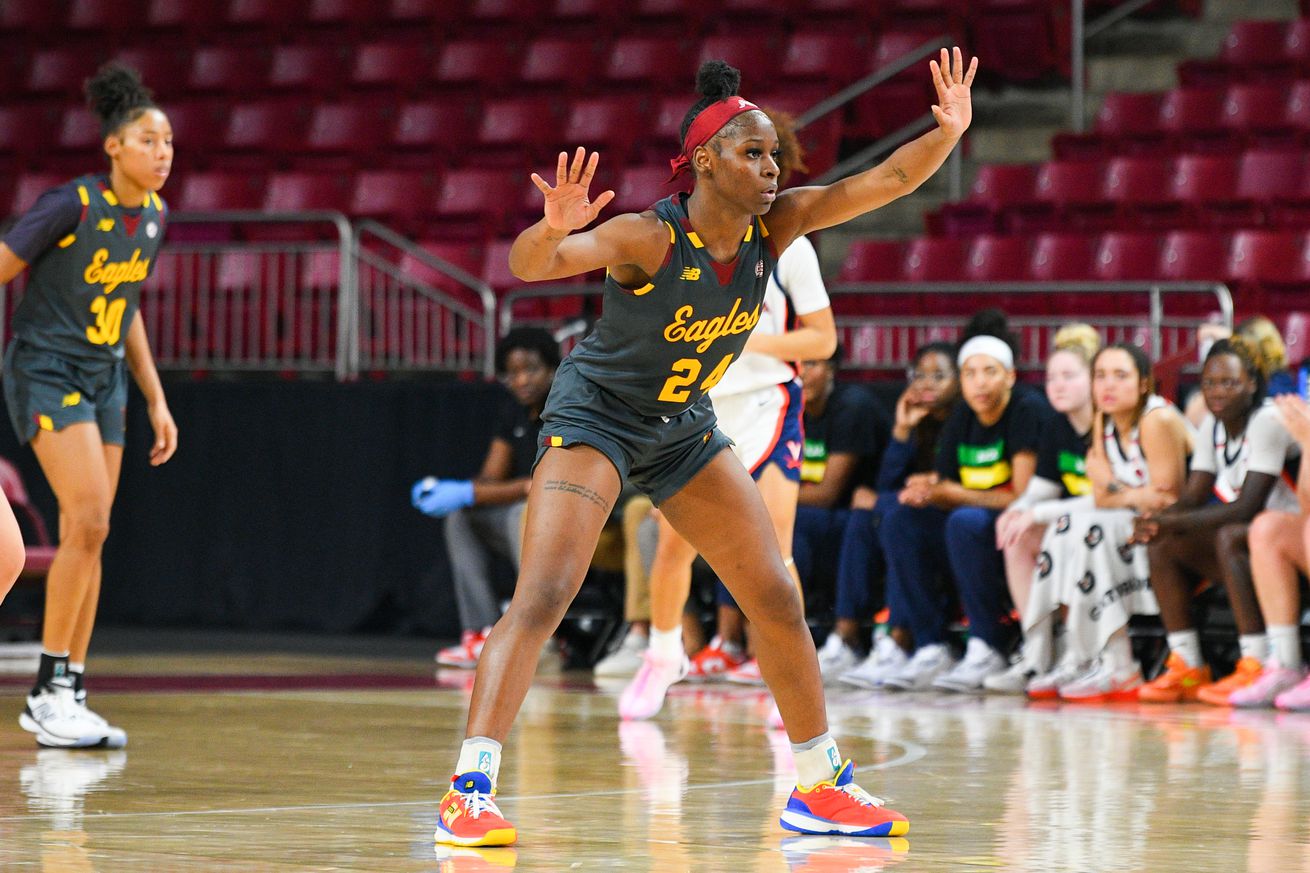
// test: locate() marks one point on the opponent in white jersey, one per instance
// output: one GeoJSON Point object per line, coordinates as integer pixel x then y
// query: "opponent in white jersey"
{"type": "Point", "coordinates": [758, 404]}
{"type": "Point", "coordinates": [1136, 463]}
{"type": "Point", "coordinates": [1240, 468]}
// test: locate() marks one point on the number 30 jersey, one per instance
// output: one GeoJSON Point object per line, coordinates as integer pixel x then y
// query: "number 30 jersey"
{"type": "Point", "coordinates": [661, 347]}
{"type": "Point", "coordinates": [83, 292]}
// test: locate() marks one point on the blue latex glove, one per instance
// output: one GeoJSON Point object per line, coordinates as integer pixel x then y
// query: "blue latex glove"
{"type": "Point", "coordinates": [440, 497]}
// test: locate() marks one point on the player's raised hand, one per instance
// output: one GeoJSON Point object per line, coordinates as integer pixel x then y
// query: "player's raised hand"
{"type": "Point", "coordinates": [954, 107]}
{"type": "Point", "coordinates": [568, 206]}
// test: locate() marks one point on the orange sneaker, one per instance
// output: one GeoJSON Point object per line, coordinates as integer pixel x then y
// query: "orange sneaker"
{"type": "Point", "coordinates": [1217, 693]}
{"type": "Point", "coordinates": [839, 806]}
{"type": "Point", "coordinates": [469, 815]}
{"type": "Point", "coordinates": [715, 661]}
{"type": "Point", "coordinates": [1178, 683]}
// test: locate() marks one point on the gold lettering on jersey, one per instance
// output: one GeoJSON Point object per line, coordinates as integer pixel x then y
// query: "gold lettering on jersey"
{"type": "Point", "coordinates": [704, 331]}
{"type": "Point", "coordinates": [111, 274]}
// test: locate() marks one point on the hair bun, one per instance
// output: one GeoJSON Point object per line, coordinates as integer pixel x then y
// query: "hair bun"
{"type": "Point", "coordinates": [115, 91]}
{"type": "Point", "coordinates": [717, 80]}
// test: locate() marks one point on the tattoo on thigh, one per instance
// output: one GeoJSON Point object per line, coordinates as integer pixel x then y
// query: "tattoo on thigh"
{"type": "Point", "coordinates": [580, 490]}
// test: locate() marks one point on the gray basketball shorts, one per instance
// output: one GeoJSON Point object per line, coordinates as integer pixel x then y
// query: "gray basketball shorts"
{"type": "Point", "coordinates": [657, 454]}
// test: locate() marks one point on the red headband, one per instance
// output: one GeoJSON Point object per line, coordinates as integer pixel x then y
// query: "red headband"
{"type": "Point", "coordinates": [703, 128]}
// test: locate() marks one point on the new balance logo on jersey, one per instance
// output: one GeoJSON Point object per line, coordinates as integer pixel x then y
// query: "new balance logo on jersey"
{"type": "Point", "coordinates": [691, 274]}
{"type": "Point", "coordinates": [105, 224]}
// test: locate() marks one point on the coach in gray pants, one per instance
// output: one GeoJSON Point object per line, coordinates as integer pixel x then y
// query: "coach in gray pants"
{"type": "Point", "coordinates": [484, 515]}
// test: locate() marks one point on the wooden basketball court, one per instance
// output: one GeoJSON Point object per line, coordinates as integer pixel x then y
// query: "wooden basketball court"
{"type": "Point", "coordinates": [281, 762]}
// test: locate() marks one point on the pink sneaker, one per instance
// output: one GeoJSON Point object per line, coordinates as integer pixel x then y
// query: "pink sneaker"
{"type": "Point", "coordinates": [714, 661]}
{"type": "Point", "coordinates": [645, 693]}
{"type": "Point", "coordinates": [747, 674]}
{"type": "Point", "coordinates": [1262, 693]}
{"type": "Point", "coordinates": [1296, 699]}
{"type": "Point", "coordinates": [468, 651]}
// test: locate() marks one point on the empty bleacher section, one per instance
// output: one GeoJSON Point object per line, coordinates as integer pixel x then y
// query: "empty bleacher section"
{"type": "Point", "coordinates": [425, 116]}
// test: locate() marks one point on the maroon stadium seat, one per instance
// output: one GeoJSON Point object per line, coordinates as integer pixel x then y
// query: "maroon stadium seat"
{"type": "Point", "coordinates": [197, 125]}
{"type": "Point", "coordinates": [1250, 50]}
{"type": "Point", "coordinates": [267, 126]}
{"type": "Point", "coordinates": [504, 12]}
{"type": "Point", "coordinates": [1126, 122]}
{"type": "Point", "coordinates": [755, 54]}
{"type": "Point", "coordinates": [300, 191]}
{"type": "Point", "coordinates": [1194, 256]}
{"type": "Point", "coordinates": [473, 62]}
{"type": "Point", "coordinates": [935, 259]}
{"type": "Point", "coordinates": [1063, 191]}
{"type": "Point", "coordinates": [831, 59]}
{"type": "Point", "coordinates": [495, 266]}
{"type": "Point", "coordinates": [1296, 46]}
{"type": "Point", "coordinates": [479, 199]}
{"type": "Point", "coordinates": [1015, 37]}
{"type": "Point", "coordinates": [1268, 258]}
{"type": "Point", "coordinates": [995, 186]}
{"type": "Point", "coordinates": [517, 122]}
{"type": "Point", "coordinates": [604, 123]}
{"type": "Point", "coordinates": [190, 15]}
{"type": "Point", "coordinates": [443, 127]}
{"type": "Point", "coordinates": [352, 127]}
{"type": "Point", "coordinates": [314, 68]}
{"type": "Point", "coordinates": [206, 192]}
{"type": "Point", "coordinates": [19, 124]}
{"type": "Point", "coordinates": [264, 13]}
{"type": "Point", "coordinates": [342, 12]}
{"type": "Point", "coordinates": [640, 187]}
{"type": "Point", "coordinates": [1140, 189]}
{"type": "Point", "coordinates": [1126, 256]}
{"type": "Point", "coordinates": [1202, 179]}
{"type": "Point", "coordinates": [392, 65]}
{"type": "Point", "coordinates": [60, 71]}
{"type": "Point", "coordinates": [1193, 117]}
{"type": "Point", "coordinates": [649, 60]}
{"type": "Point", "coordinates": [30, 16]}
{"type": "Point", "coordinates": [79, 131]}
{"type": "Point", "coordinates": [997, 259]}
{"type": "Point", "coordinates": [31, 186]}
{"type": "Point", "coordinates": [466, 256]}
{"type": "Point", "coordinates": [392, 194]}
{"type": "Point", "coordinates": [1062, 257]}
{"type": "Point", "coordinates": [105, 16]}
{"type": "Point", "coordinates": [1297, 108]}
{"type": "Point", "coordinates": [1257, 112]}
{"type": "Point", "coordinates": [1265, 175]}
{"type": "Point", "coordinates": [560, 61]}
{"type": "Point", "coordinates": [873, 260]}
{"type": "Point", "coordinates": [231, 69]}
{"type": "Point", "coordinates": [163, 69]}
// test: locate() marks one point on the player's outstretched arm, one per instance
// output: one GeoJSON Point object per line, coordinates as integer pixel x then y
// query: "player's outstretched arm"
{"type": "Point", "coordinates": [802, 210]}
{"type": "Point", "coordinates": [550, 250]}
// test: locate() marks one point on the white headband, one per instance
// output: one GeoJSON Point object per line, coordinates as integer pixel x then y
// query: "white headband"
{"type": "Point", "coordinates": [989, 346]}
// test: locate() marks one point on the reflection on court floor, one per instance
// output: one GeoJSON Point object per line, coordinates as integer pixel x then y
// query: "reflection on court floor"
{"type": "Point", "coordinates": [329, 764]}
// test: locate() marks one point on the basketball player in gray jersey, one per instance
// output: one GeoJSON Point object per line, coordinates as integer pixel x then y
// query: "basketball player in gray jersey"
{"type": "Point", "coordinates": [88, 246]}
{"type": "Point", "coordinates": [685, 280]}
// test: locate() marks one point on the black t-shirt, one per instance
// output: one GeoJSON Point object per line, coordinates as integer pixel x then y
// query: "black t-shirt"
{"type": "Point", "coordinates": [1062, 456]}
{"type": "Point", "coordinates": [517, 426]}
{"type": "Point", "coordinates": [852, 423]}
{"type": "Point", "coordinates": [978, 457]}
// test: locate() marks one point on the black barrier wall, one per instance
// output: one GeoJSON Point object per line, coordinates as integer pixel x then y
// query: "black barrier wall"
{"type": "Point", "coordinates": [287, 505]}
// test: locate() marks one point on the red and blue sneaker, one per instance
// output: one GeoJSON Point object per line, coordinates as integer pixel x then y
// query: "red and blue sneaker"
{"type": "Point", "coordinates": [839, 806]}
{"type": "Point", "coordinates": [469, 815]}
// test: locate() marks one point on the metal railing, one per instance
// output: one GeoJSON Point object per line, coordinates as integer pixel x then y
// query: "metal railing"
{"type": "Point", "coordinates": [403, 319]}
{"type": "Point", "coordinates": [1080, 32]}
{"type": "Point", "coordinates": [887, 342]}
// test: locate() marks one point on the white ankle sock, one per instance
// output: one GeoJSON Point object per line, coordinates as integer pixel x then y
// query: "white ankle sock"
{"type": "Point", "coordinates": [666, 645]}
{"type": "Point", "coordinates": [1038, 645]}
{"type": "Point", "coordinates": [1186, 645]}
{"type": "Point", "coordinates": [1254, 646]}
{"type": "Point", "coordinates": [1118, 651]}
{"type": "Point", "coordinates": [1285, 645]}
{"type": "Point", "coordinates": [480, 754]}
{"type": "Point", "coordinates": [817, 760]}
